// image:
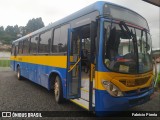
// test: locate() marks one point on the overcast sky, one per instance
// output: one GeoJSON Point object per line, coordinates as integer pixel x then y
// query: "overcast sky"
{"type": "Point", "coordinates": [20, 11]}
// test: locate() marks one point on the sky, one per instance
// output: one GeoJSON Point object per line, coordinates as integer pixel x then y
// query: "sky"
{"type": "Point", "coordinates": [20, 11]}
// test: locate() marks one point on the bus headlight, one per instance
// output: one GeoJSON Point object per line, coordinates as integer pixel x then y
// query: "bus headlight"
{"type": "Point", "coordinates": [112, 89]}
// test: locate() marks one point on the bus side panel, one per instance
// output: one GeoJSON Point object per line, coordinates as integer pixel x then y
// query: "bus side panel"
{"type": "Point", "coordinates": [40, 74]}
{"type": "Point", "coordinates": [31, 72]}
{"type": "Point", "coordinates": [23, 70]}
{"type": "Point", "coordinates": [12, 64]}
{"type": "Point", "coordinates": [26, 65]}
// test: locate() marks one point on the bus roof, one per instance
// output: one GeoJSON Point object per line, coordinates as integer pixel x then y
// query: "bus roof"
{"type": "Point", "coordinates": [97, 6]}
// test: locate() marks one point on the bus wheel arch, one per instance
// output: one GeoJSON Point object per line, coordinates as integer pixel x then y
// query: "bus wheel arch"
{"type": "Point", "coordinates": [17, 67]}
{"type": "Point", "coordinates": [51, 81]}
{"type": "Point", "coordinates": [55, 83]}
{"type": "Point", "coordinates": [18, 72]}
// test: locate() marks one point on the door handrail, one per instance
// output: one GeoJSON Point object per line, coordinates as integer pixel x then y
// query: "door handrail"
{"type": "Point", "coordinates": [74, 65]}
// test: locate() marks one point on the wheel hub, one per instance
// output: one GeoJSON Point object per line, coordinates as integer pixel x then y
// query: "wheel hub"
{"type": "Point", "coordinates": [56, 88]}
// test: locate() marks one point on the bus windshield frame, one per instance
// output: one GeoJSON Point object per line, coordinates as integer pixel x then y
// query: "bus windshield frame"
{"type": "Point", "coordinates": [136, 57]}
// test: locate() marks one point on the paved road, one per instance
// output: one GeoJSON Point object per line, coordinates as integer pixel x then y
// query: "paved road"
{"type": "Point", "coordinates": [24, 95]}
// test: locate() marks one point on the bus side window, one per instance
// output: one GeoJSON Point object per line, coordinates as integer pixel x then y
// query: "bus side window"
{"type": "Point", "coordinates": [16, 50]}
{"type": "Point", "coordinates": [33, 44]}
{"type": "Point", "coordinates": [20, 47]}
{"type": "Point", "coordinates": [44, 42]}
{"type": "Point", "coordinates": [55, 48]}
{"type": "Point", "coordinates": [26, 46]}
{"type": "Point", "coordinates": [63, 38]}
{"type": "Point", "coordinates": [12, 51]}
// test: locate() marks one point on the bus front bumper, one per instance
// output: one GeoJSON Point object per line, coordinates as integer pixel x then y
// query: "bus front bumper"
{"type": "Point", "coordinates": [105, 103]}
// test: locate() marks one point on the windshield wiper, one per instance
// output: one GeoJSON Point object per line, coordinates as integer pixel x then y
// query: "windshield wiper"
{"type": "Point", "coordinates": [122, 23]}
{"type": "Point", "coordinates": [129, 33]}
{"type": "Point", "coordinates": [134, 38]}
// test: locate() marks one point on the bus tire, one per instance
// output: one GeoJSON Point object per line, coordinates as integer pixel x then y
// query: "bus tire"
{"type": "Point", "coordinates": [19, 73]}
{"type": "Point", "coordinates": [58, 92]}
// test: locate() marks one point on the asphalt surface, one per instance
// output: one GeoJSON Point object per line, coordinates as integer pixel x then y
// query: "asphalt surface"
{"type": "Point", "coordinates": [23, 95]}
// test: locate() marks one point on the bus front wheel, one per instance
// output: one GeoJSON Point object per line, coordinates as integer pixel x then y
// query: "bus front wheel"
{"type": "Point", "coordinates": [58, 90]}
{"type": "Point", "coordinates": [19, 73]}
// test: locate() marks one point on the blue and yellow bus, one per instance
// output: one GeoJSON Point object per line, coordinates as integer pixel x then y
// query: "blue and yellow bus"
{"type": "Point", "coordinates": [99, 58]}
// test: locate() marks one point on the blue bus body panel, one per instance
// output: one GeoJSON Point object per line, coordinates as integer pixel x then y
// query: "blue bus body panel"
{"type": "Point", "coordinates": [106, 103]}
{"type": "Point", "coordinates": [40, 74]}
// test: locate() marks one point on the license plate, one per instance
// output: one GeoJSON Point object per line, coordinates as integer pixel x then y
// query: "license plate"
{"type": "Point", "coordinates": [130, 83]}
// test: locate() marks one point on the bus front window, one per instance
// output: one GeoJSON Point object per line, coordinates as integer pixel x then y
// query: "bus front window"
{"type": "Point", "coordinates": [127, 49]}
{"type": "Point", "coordinates": [144, 51]}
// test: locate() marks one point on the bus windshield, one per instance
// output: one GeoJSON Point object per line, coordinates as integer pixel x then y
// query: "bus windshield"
{"type": "Point", "coordinates": [127, 49]}
{"type": "Point", "coordinates": [124, 14]}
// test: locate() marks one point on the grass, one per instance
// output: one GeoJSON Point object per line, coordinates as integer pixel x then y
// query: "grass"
{"type": "Point", "coordinates": [4, 63]}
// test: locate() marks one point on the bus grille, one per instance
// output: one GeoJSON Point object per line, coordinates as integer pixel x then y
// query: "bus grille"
{"type": "Point", "coordinates": [136, 92]}
{"type": "Point", "coordinates": [135, 82]}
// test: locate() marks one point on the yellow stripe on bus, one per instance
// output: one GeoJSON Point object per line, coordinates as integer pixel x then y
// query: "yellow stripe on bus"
{"type": "Point", "coordinates": [54, 61]}
{"type": "Point", "coordinates": [61, 62]}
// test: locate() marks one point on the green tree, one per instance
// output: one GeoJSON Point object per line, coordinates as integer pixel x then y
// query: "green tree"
{"type": "Point", "coordinates": [13, 32]}
{"type": "Point", "coordinates": [10, 30]}
{"type": "Point", "coordinates": [34, 24]}
{"type": "Point", "coordinates": [22, 30]}
{"type": "Point", "coordinates": [10, 34]}
{"type": "Point", "coordinates": [16, 29]}
{"type": "Point", "coordinates": [7, 38]}
{"type": "Point", "coordinates": [1, 28]}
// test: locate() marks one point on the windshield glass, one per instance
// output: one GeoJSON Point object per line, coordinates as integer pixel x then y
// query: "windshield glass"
{"type": "Point", "coordinates": [124, 14]}
{"type": "Point", "coordinates": [126, 49]}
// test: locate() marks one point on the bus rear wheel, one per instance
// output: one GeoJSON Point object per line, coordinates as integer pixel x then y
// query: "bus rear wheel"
{"type": "Point", "coordinates": [58, 90]}
{"type": "Point", "coordinates": [19, 73]}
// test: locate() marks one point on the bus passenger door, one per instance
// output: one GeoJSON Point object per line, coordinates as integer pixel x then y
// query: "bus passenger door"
{"type": "Point", "coordinates": [74, 65]}
{"type": "Point", "coordinates": [93, 37]}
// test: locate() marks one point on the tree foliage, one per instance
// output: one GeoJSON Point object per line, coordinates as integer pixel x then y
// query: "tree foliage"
{"type": "Point", "coordinates": [11, 33]}
{"type": "Point", "coordinates": [1, 28]}
{"type": "Point", "coordinates": [34, 24]}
